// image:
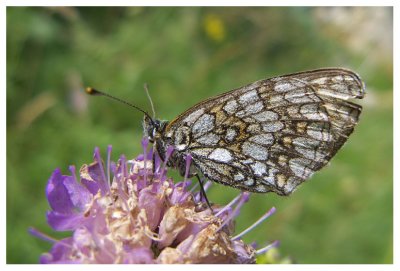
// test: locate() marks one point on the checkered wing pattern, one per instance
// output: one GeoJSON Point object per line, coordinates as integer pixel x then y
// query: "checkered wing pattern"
{"type": "Point", "coordinates": [271, 135]}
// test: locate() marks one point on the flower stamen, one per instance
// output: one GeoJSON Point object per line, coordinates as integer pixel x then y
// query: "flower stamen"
{"type": "Point", "coordinates": [268, 247]}
{"type": "Point", "coordinates": [244, 198]}
{"type": "Point", "coordinates": [187, 169]}
{"type": "Point", "coordinates": [168, 154]}
{"type": "Point", "coordinates": [109, 149]}
{"type": "Point", "coordinates": [228, 206]}
{"type": "Point", "coordinates": [42, 235]}
{"type": "Point", "coordinates": [145, 143]}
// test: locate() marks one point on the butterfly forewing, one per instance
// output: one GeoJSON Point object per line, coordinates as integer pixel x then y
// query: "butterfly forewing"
{"type": "Point", "coordinates": [271, 135]}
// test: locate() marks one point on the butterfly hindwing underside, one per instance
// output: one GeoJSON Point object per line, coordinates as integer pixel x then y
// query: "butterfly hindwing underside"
{"type": "Point", "coordinates": [268, 136]}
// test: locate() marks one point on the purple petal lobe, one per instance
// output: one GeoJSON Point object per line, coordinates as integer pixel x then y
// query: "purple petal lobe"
{"type": "Point", "coordinates": [93, 178]}
{"type": "Point", "coordinates": [57, 194]}
{"type": "Point", "coordinates": [59, 253]}
{"type": "Point", "coordinates": [64, 222]}
{"type": "Point", "coordinates": [153, 205]}
{"type": "Point", "coordinates": [244, 254]}
{"type": "Point", "coordinates": [139, 255]}
{"type": "Point", "coordinates": [79, 195]}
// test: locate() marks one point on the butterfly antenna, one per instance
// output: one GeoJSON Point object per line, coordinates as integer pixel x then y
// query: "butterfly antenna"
{"type": "Point", "coordinates": [95, 92]}
{"type": "Point", "coordinates": [146, 88]}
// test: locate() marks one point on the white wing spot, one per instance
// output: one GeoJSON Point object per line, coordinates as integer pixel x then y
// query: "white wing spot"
{"type": "Point", "coordinates": [249, 182]}
{"type": "Point", "coordinates": [254, 108]}
{"type": "Point", "coordinates": [320, 81]}
{"type": "Point", "coordinates": [319, 135]}
{"type": "Point", "coordinates": [261, 188]}
{"type": "Point", "coordinates": [273, 126]}
{"type": "Point", "coordinates": [250, 109]}
{"type": "Point", "coordinates": [266, 116]}
{"type": "Point", "coordinates": [299, 168]}
{"type": "Point", "coordinates": [300, 96]}
{"type": "Point", "coordinates": [269, 180]}
{"type": "Point", "coordinates": [306, 147]}
{"type": "Point", "coordinates": [221, 155]}
{"type": "Point", "coordinates": [249, 97]}
{"type": "Point", "coordinates": [238, 177]}
{"type": "Point", "coordinates": [284, 87]}
{"type": "Point", "coordinates": [208, 139]}
{"type": "Point", "coordinates": [259, 169]}
{"type": "Point", "coordinates": [312, 112]}
{"type": "Point", "coordinates": [255, 151]}
{"type": "Point", "coordinates": [231, 107]}
{"type": "Point", "coordinates": [230, 134]}
{"type": "Point", "coordinates": [201, 152]}
{"type": "Point", "coordinates": [291, 184]}
{"type": "Point", "coordinates": [337, 79]}
{"type": "Point", "coordinates": [262, 139]}
{"type": "Point", "coordinates": [248, 161]}
{"type": "Point", "coordinates": [193, 116]}
{"type": "Point", "coordinates": [289, 188]}
{"type": "Point", "coordinates": [203, 125]}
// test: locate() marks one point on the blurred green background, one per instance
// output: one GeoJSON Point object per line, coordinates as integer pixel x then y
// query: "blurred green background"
{"type": "Point", "coordinates": [343, 215]}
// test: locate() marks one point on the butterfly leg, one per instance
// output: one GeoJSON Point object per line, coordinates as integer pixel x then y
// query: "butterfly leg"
{"type": "Point", "coordinates": [154, 162]}
{"type": "Point", "coordinates": [203, 193]}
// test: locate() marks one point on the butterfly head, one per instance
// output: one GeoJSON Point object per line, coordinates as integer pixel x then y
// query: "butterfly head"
{"type": "Point", "coordinates": [153, 128]}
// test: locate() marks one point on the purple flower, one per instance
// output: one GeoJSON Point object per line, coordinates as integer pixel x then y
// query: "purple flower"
{"type": "Point", "coordinates": [140, 216]}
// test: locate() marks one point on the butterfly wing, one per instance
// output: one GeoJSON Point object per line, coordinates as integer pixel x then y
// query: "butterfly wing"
{"type": "Point", "coordinates": [271, 135]}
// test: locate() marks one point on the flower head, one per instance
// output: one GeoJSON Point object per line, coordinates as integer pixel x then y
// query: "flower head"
{"type": "Point", "coordinates": [139, 216]}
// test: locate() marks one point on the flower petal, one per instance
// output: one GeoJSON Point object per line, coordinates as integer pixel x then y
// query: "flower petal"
{"type": "Point", "coordinates": [79, 195]}
{"type": "Point", "coordinates": [58, 195]}
{"type": "Point", "coordinates": [92, 178]}
{"type": "Point", "coordinates": [180, 194]}
{"type": "Point", "coordinates": [170, 256]}
{"type": "Point", "coordinates": [244, 254]}
{"type": "Point", "coordinates": [171, 225]}
{"type": "Point", "coordinates": [153, 204]}
{"type": "Point", "coordinates": [64, 222]}
{"type": "Point", "coordinates": [59, 253]}
{"type": "Point", "coordinates": [139, 255]}
{"type": "Point", "coordinates": [210, 246]}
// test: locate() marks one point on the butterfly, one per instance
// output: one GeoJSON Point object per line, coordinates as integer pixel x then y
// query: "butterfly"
{"type": "Point", "coordinates": [268, 136]}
